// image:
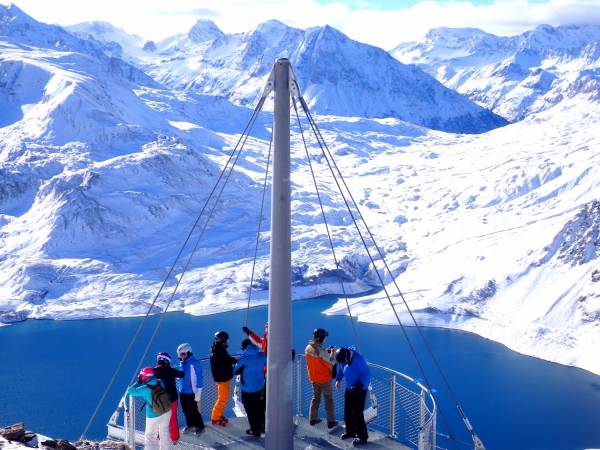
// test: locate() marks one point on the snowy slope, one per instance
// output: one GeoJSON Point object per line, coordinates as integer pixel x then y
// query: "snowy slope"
{"type": "Point", "coordinates": [340, 76]}
{"type": "Point", "coordinates": [99, 166]}
{"type": "Point", "coordinates": [513, 76]}
{"type": "Point", "coordinates": [103, 169]}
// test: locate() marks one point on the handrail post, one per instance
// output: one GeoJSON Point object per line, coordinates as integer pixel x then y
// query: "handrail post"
{"type": "Point", "coordinates": [393, 406]}
{"type": "Point", "coordinates": [130, 417]}
{"type": "Point", "coordinates": [299, 387]}
{"type": "Point", "coordinates": [422, 419]}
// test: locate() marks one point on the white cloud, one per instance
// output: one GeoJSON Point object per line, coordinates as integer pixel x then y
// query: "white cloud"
{"type": "Point", "coordinates": [156, 19]}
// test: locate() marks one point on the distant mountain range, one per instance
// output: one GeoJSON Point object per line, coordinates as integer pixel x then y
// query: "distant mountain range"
{"type": "Point", "coordinates": [513, 76]}
{"type": "Point", "coordinates": [339, 76]}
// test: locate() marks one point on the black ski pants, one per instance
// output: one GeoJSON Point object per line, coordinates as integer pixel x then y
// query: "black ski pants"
{"type": "Point", "coordinates": [193, 418]}
{"type": "Point", "coordinates": [254, 405]}
{"type": "Point", "coordinates": [354, 405]}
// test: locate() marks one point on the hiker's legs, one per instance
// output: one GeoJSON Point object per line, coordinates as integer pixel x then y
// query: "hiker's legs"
{"type": "Point", "coordinates": [329, 407]}
{"type": "Point", "coordinates": [174, 423]}
{"type": "Point", "coordinates": [358, 398]}
{"type": "Point", "coordinates": [223, 389]}
{"type": "Point", "coordinates": [252, 405]}
{"type": "Point", "coordinates": [151, 433]}
{"type": "Point", "coordinates": [164, 437]}
{"type": "Point", "coordinates": [348, 414]}
{"type": "Point", "coordinates": [190, 410]}
{"type": "Point", "coordinates": [315, 401]}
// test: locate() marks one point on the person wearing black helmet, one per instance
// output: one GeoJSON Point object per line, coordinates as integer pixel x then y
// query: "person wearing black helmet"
{"type": "Point", "coordinates": [319, 364]}
{"type": "Point", "coordinates": [354, 370]}
{"type": "Point", "coordinates": [221, 365]}
{"type": "Point", "coordinates": [167, 374]}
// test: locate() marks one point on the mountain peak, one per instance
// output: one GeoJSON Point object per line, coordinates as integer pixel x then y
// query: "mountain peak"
{"type": "Point", "coordinates": [204, 30]}
{"type": "Point", "coordinates": [272, 25]}
{"type": "Point", "coordinates": [12, 11]}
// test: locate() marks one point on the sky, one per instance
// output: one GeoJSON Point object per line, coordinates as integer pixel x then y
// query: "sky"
{"type": "Point", "coordinates": [384, 23]}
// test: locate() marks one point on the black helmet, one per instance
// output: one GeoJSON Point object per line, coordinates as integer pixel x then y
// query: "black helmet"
{"type": "Point", "coordinates": [163, 358]}
{"type": "Point", "coordinates": [221, 336]}
{"type": "Point", "coordinates": [246, 343]}
{"type": "Point", "coordinates": [320, 334]}
{"type": "Point", "coordinates": [342, 355]}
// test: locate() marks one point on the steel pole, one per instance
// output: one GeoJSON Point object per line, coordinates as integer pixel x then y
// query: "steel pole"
{"type": "Point", "coordinates": [279, 426]}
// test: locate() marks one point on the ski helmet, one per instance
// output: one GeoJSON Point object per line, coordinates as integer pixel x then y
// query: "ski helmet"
{"type": "Point", "coordinates": [246, 343]}
{"type": "Point", "coordinates": [163, 358]}
{"type": "Point", "coordinates": [184, 348]}
{"type": "Point", "coordinates": [320, 334]}
{"type": "Point", "coordinates": [221, 336]}
{"type": "Point", "coordinates": [145, 374]}
{"type": "Point", "coordinates": [343, 355]}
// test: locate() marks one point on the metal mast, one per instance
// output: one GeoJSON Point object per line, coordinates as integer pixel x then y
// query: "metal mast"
{"type": "Point", "coordinates": [279, 426]}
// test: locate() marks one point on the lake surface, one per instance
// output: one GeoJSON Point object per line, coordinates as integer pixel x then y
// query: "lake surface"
{"type": "Point", "coordinates": [54, 372]}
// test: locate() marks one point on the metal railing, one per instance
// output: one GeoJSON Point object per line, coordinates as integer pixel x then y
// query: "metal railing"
{"type": "Point", "coordinates": [399, 406]}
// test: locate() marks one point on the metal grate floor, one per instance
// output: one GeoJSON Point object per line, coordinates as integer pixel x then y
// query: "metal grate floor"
{"type": "Point", "coordinates": [234, 437]}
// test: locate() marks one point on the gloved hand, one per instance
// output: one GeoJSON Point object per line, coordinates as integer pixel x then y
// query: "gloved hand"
{"type": "Point", "coordinates": [198, 394]}
{"type": "Point", "coordinates": [246, 330]}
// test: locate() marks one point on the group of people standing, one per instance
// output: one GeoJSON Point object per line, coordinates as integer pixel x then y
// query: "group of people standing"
{"type": "Point", "coordinates": [163, 387]}
{"type": "Point", "coordinates": [345, 363]}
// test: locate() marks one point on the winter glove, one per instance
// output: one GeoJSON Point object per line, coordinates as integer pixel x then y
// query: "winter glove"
{"type": "Point", "coordinates": [198, 394]}
{"type": "Point", "coordinates": [246, 330]}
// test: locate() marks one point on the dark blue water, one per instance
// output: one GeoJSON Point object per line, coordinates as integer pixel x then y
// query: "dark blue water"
{"type": "Point", "coordinates": [53, 373]}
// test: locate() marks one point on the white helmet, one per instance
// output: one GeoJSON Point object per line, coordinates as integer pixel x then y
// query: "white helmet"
{"type": "Point", "coordinates": [184, 348]}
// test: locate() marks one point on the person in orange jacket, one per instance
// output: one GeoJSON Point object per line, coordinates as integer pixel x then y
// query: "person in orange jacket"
{"type": "Point", "coordinates": [319, 364]}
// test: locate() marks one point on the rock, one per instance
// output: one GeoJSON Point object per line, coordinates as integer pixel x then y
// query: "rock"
{"type": "Point", "coordinates": [104, 445]}
{"type": "Point", "coordinates": [14, 432]}
{"type": "Point", "coordinates": [61, 444]}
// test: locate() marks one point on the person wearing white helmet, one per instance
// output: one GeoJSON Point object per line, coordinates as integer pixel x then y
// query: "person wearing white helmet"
{"type": "Point", "coordinates": [190, 389]}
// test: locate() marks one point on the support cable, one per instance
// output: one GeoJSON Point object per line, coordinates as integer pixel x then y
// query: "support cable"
{"type": "Point", "coordinates": [191, 256]}
{"type": "Point", "coordinates": [113, 378]}
{"type": "Point", "coordinates": [325, 153]}
{"type": "Point", "coordinates": [335, 259]}
{"type": "Point", "coordinates": [260, 218]}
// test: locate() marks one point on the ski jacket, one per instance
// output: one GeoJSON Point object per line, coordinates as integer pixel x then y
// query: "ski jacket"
{"type": "Point", "coordinates": [221, 363]}
{"type": "Point", "coordinates": [319, 362]}
{"type": "Point", "coordinates": [144, 390]}
{"type": "Point", "coordinates": [250, 368]}
{"type": "Point", "coordinates": [356, 373]}
{"type": "Point", "coordinates": [258, 341]}
{"type": "Point", "coordinates": [192, 376]}
{"type": "Point", "coordinates": [167, 375]}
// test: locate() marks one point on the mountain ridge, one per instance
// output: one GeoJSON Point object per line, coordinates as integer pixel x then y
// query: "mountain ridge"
{"type": "Point", "coordinates": [514, 76]}
{"type": "Point", "coordinates": [236, 65]}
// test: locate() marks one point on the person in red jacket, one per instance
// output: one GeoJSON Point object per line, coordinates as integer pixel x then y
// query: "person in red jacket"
{"type": "Point", "coordinates": [259, 342]}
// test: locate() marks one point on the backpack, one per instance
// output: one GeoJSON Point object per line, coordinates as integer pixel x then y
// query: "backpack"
{"type": "Point", "coordinates": [161, 400]}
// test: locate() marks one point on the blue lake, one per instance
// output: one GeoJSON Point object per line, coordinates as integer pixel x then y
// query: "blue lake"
{"type": "Point", "coordinates": [54, 372]}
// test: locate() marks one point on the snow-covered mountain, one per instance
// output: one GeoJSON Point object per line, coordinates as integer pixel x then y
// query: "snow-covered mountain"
{"type": "Point", "coordinates": [103, 170]}
{"type": "Point", "coordinates": [339, 76]}
{"type": "Point", "coordinates": [110, 39]}
{"type": "Point", "coordinates": [513, 76]}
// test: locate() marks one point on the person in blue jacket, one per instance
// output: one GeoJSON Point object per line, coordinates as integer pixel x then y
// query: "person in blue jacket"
{"type": "Point", "coordinates": [190, 389]}
{"type": "Point", "coordinates": [250, 367]}
{"type": "Point", "coordinates": [353, 368]}
{"type": "Point", "coordinates": [157, 425]}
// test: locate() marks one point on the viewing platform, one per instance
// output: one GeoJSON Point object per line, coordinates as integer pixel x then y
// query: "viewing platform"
{"type": "Point", "coordinates": [402, 413]}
